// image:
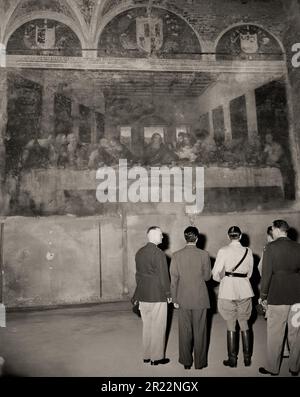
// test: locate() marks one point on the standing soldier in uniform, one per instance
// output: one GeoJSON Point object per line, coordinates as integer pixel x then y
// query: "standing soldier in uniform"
{"type": "Point", "coordinates": [233, 267]}
{"type": "Point", "coordinates": [280, 290]}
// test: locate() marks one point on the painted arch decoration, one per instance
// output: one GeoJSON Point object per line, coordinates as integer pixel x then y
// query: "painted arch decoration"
{"type": "Point", "coordinates": [248, 42]}
{"type": "Point", "coordinates": [138, 33]}
{"type": "Point", "coordinates": [44, 37]}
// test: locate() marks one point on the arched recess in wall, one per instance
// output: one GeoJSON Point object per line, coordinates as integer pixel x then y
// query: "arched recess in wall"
{"type": "Point", "coordinates": [248, 42]}
{"type": "Point", "coordinates": [163, 34]}
{"type": "Point", "coordinates": [44, 36]}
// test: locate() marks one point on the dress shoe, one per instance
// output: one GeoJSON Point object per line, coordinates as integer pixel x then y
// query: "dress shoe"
{"type": "Point", "coordinates": [264, 371]}
{"type": "Point", "coordinates": [187, 367]}
{"type": "Point", "coordinates": [203, 366]}
{"type": "Point", "coordinates": [162, 361]}
{"type": "Point", "coordinates": [147, 360]}
{"type": "Point", "coordinates": [293, 373]}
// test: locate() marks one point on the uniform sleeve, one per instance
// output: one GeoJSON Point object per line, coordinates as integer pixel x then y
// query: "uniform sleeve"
{"type": "Point", "coordinates": [218, 267]}
{"type": "Point", "coordinates": [267, 271]}
{"type": "Point", "coordinates": [164, 274]}
{"type": "Point", "coordinates": [250, 271]}
{"type": "Point", "coordinates": [207, 268]}
{"type": "Point", "coordinates": [174, 279]}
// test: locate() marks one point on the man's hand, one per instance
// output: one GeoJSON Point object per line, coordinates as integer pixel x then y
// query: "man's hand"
{"type": "Point", "coordinates": [176, 305]}
{"type": "Point", "coordinates": [263, 302]}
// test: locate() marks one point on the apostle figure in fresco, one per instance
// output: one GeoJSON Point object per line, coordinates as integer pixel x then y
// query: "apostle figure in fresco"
{"type": "Point", "coordinates": [180, 140]}
{"type": "Point", "coordinates": [233, 154]}
{"type": "Point", "coordinates": [185, 151]}
{"type": "Point", "coordinates": [77, 152]}
{"type": "Point", "coordinates": [72, 147]}
{"type": "Point", "coordinates": [99, 156]}
{"type": "Point", "coordinates": [273, 151]}
{"type": "Point", "coordinates": [253, 150]}
{"type": "Point", "coordinates": [60, 158]}
{"type": "Point", "coordinates": [205, 147]}
{"type": "Point", "coordinates": [37, 152]}
{"type": "Point", "coordinates": [156, 152]}
{"type": "Point", "coordinates": [118, 151]}
{"type": "Point", "coordinates": [275, 155]}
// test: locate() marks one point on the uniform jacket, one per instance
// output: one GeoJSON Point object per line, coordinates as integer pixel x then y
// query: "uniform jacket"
{"type": "Point", "coordinates": [152, 276]}
{"type": "Point", "coordinates": [233, 288]}
{"type": "Point", "coordinates": [190, 268]}
{"type": "Point", "coordinates": [280, 283]}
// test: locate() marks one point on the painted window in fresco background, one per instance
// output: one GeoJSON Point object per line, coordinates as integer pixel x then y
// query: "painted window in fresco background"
{"type": "Point", "coordinates": [62, 112]}
{"type": "Point", "coordinates": [24, 109]}
{"type": "Point", "coordinates": [218, 123]}
{"type": "Point", "coordinates": [44, 37]}
{"type": "Point", "coordinates": [238, 115]}
{"type": "Point", "coordinates": [137, 34]}
{"type": "Point", "coordinates": [248, 42]}
{"type": "Point", "coordinates": [100, 123]}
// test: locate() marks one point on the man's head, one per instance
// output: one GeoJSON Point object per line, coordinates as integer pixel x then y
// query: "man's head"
{"type": "Point", "coordinates": [270, 234]}
{"type": "Point", "coordinates": [191, 234]}
{"type": "Point", "coordinates": [156, 140]}
{"type": "Point", "coordinates": [269, 138]}
{"type": "Point", "coordinates": [279, 228]}
{"type": "Point", "coordinates": [234, 233]}
{"type": "Point", "coordinates": [154, 235]}
{"type": "Point", "coordinates": [180, 137]}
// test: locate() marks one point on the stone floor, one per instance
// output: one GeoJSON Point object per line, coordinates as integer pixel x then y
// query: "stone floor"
{"type": "Point", "coordinates": [105, 341]}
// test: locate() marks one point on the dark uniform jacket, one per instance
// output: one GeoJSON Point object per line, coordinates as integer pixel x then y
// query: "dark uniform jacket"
{"type": "Point", "coordinates": [152, 276]}
{"type": "Point", "coordinates": [190, 268]}
{"type": "Point", "coordinates": [280, 283]}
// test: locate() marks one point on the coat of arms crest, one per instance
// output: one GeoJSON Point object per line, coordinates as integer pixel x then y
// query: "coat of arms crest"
{"type": "Point", "coordinates": [149, 33]}
{"type": "Point", "coordinates": [44, 36]}
{"type": "Point", "coordinates": [249, 42]}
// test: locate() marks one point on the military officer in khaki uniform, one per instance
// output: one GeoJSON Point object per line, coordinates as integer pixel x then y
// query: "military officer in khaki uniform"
{"type": "Point", "coordinates": [233, 268]}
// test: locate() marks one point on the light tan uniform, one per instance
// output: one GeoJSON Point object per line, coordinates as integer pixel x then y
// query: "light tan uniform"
{"type": "Point", "coordinates": [235, 293]}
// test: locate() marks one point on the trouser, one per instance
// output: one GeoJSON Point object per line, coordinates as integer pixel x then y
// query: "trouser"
{"type": "Point", "coordinates": [277, 318]}
{"type": "Point", "coordinates": [235, 310]}
{"type": "Point", "coordinates": [154, 317]}
{"type": "Point", "coordinates": [192, 336]}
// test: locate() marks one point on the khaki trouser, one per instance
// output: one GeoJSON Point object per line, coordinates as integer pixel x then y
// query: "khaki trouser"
{"type": "Point", "coordinates": [235, 310]}
{"type": "Point", "coordinates": [277, 318]}
{"type": "Point", "coordinates": [154, 317]}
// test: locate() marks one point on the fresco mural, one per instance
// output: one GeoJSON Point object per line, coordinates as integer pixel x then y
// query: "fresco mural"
{"type": "Point", "coordinates": [44, 37]}
{"type": "Point", "coordinates": [141, 33]}
{"type": "Point", "coordinates": [163, 139]}
{"type": "Point", "coordinates": [248, 42]}
{"type": "Point", "coordinates": [147, 131]}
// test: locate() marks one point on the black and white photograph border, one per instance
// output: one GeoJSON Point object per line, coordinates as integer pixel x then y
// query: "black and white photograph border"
{"type": "Point", "coordinates": [121, 115]}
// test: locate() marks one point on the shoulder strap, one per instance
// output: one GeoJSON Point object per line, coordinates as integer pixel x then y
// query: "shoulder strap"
{"type": "Point", "coordinates": [240, 262]}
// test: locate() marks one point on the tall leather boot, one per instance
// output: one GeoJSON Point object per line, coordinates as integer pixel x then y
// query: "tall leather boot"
{"type": "Point", "coordinates": [232, 349]}
{"type": "Point", "coordinates": [246, 348]}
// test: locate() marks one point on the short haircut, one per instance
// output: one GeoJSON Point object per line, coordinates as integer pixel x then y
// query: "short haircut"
{"type": "Point", "coordinates": [191, 234]}
{"type": "Point", "coordinates": [234, 232]}
{"type": "Point", "coordinates": [270, 231]}
{"type": "Point", "coordinates": [281, 224]}
{"type": "Point", "coordinates": [152, 228]}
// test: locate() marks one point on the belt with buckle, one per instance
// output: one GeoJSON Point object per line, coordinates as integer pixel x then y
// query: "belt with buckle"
{"type": "Point", "coordinates": [229, 274]}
